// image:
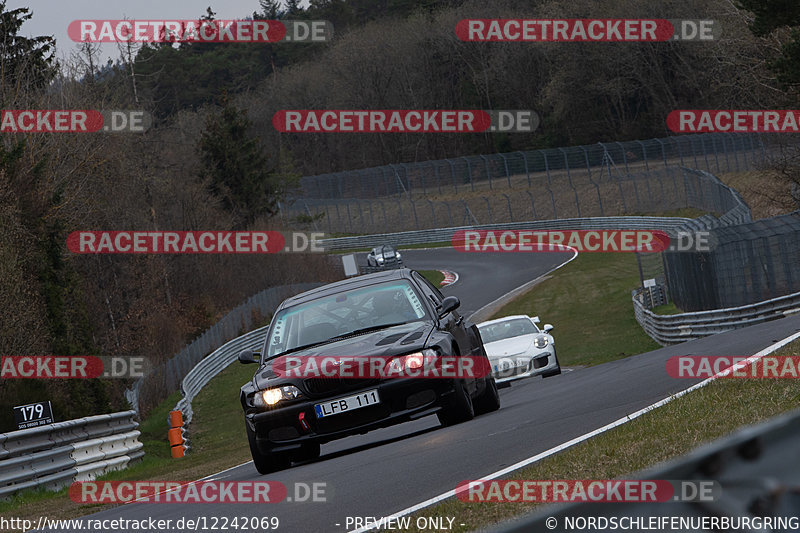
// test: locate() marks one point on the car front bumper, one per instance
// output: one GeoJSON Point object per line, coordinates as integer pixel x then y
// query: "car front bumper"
{"type": "Point", "coordinates": [280, 429]}
{"type": "Point", "coordinates": [525, 365]}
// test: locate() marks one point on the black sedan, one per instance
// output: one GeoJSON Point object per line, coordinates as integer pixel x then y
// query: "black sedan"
{"type": "Point", "coordinates": [397, 315]}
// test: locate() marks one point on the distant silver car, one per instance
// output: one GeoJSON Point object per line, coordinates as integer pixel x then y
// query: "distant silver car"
{"type": "Point", "coordinates": [385, 256]}
{"type": "Point", "coordinates": [518, 349]}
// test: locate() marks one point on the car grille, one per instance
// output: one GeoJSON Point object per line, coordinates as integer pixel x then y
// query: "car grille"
{"type": "Point", "coordinates": [334, 385]}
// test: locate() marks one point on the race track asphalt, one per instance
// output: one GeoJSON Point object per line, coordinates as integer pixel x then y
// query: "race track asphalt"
{"type": "Point", "coordinates": [390, 469]}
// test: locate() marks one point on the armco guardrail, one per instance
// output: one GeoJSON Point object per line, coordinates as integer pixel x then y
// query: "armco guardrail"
{"type": "Point", "coordinates": [674, 329]}
{"type": "Point", "coordinates": [406, 238]}
{"type": "Point", "coordinates": [55, 455]}
{"type": "Point", "coordinates": [223, 356]}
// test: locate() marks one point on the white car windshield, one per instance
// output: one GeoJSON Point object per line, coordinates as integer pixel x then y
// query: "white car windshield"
{"type": "Point", "coordinates": [507, 329]}
{"type": "Point", "coordinates": [340, 314]}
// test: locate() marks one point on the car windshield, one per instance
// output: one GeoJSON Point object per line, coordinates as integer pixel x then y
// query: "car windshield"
{"type": "Point", "coordinates": [344, 313]}
{"type": "Point", "coordinates": [507, 329]}
{"type": "Point", "coordinates": [383, 251]}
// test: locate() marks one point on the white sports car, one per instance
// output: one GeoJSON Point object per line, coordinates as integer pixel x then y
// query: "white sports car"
{"type": "Point", "coordinates": [518, 349]}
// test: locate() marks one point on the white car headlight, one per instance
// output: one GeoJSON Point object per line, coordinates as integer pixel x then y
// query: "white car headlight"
{"type": "Point", "coordinates": [273, 396]}
{"type": "Point", "coordinates": [397, 255]}
{"type": "Point", "coordinates": [379, 259]}
{"type": "Point", "coordinates": [540, 342]}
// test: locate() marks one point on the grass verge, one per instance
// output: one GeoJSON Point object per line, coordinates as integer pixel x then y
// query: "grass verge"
{"type": "Point", "coordinates": [670, 431]}
{"type": "Point", "coordinates": [434, 276]}
{"type": "Point", "coordinates": [589, 298]}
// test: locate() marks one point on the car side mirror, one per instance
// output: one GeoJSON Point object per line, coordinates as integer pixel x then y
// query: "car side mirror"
{"type": "Point", "coordinates": [248, 356]}
{"type": "Point", "coordinates": [450, 303]}
{"type": "Point", "coordinates": [547, 328]}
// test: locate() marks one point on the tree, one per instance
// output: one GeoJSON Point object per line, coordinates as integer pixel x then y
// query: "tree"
{"type": "Point", "coordinates": [238, 170]}
{"type": "Point", "coordinates": [25, 62]}
{"type": "Point", "coordinates": [770, 15]}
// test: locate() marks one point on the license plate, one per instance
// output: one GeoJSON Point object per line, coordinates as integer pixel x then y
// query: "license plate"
{"type": "Point", "coordinates": [349, 403]}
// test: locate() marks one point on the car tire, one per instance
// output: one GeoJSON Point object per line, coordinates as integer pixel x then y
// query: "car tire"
{"type": "Point", "coordinates": [490, 399]}
{"type": "Point", "coordinates": [460, 409]}
{"type": "Point", "coordinates": [308, 452]}
{"type": "Point", "coordinates": [266, 463]}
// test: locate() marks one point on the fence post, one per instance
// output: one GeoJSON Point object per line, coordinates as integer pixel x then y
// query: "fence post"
{"type": "Point", "coordinates": [527, 172]}
{"type": "Point", "coordinates": [468, 212]}
{"type": "Point", "coordinates": [644, 155]}
{"type": "Point", "coordinates": [433, 212]}
{"type": "Point", "coordinates": [488, 172]}
{"type": "Point", "coordinates": [449, 212]}
{"type": "Point", "coordinates": [489, 209]}
{"type": "Point", "coordinates": [716, 152]}
{"type": "Point", "coordinates": [569, 177]}
{"type": "Point", "coordinates": [705, 152]}
{"type": "Point", "coordinates": [546, 166]}
{"type": "Point", "coordinates": [510, 213]}
{"type": "Point", "coordinates": [624, 158]}
{"type": "Point", "coordinates": [438, 178]}
{"type": "Point", "coordinates": [469, 174]}
{"type": "Point", "coordinates": [663, 152]}
{"type": "Point", "coordinates": [505, 165]}
{"type": "Point", "coordinates": [385, 222]}
{"type": "Point", "coordinates": [735, 152]}
{"type": "Point", "coordinates": [360, 212]}
{"type": "Point", "coordinates": [533, 206]}
{"type": "Point", "coordinates": [453, 174]}
{"type": "Point", "coordinates": [349, 216]}
{"type": "Point", "coordinates": [694, 152]}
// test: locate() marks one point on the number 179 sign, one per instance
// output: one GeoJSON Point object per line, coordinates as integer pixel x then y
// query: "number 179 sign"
{"type": "Point", "coordinates": [33, 415]}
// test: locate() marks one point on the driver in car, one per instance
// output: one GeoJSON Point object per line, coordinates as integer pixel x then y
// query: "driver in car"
{"type": "Point", "coordinates": [392, 307]}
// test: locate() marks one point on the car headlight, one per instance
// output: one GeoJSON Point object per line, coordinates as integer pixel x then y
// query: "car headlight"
{"type": "Point", "coordinates": [398, 256]}
{"type": "Point", "coordinates": [417, 360]}
{"type": "Point", "coordinates": [379, 259]}
{"type": "Point", "coordinates": [540, 342]}
{"type": "Point", "coordinates": [270, 397]}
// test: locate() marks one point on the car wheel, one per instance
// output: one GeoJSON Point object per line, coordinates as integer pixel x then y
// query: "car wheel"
{"type": "Point", "coordinates": [460, 408]}
{"type": "Point", "coordinates": [266, 463]}
{"type": "Point", "coordinates": [490, 399]}
{"type": "Point", "coordinates": [308, 452]}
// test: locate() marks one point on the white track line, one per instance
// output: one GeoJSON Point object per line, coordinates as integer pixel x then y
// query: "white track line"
{"type": "Point", "coordinates": [577, 440]}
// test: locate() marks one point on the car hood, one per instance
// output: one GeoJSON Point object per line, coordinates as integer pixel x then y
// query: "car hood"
{"type": "Point", "coordinates": [395, 340]}
{"type": "Point", "coordinates": [512, 346]}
